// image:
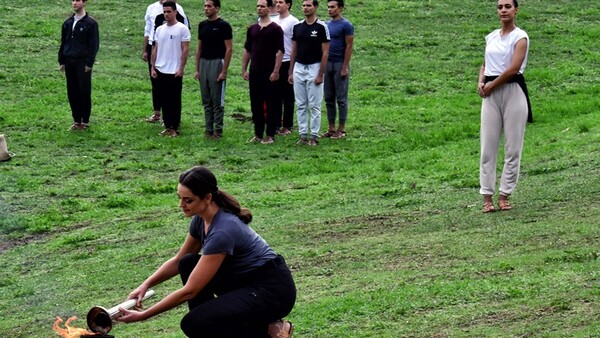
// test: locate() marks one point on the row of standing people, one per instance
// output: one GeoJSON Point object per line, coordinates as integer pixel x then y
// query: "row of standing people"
{"type": "Point", "coordinates": [290, 62]}
{"type": "Point", "coordinates": [505, 61]}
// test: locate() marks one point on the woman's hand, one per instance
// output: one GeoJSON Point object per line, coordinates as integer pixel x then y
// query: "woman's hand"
{"type": "Point", "coordinates": [139, 294]}
{"type": "Point", "coordinates": [480, 90]}
{"type": "Point", "coordinates": [128, 316]}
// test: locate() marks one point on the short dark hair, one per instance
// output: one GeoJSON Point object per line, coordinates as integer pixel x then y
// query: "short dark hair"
{"type": "Point", "coordinates": [515, 3]}
{"type": "Point", "coordinates": [289, 2]}
{"type": "Point", "coordinates": [171, 4]}
{"type": "Point", "coordinates": [340, 3]}
{"type": "Point", "coordinates": [216, 3]}
{"type": "Point", "coordinates": [269, 3]}
{"type": "Point", "coordinates": [315, 2]}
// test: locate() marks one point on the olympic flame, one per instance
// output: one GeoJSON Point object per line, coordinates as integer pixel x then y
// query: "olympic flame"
{"type": "Point", "coordinates": [69, 331]}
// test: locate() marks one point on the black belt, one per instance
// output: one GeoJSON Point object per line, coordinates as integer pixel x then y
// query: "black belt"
{"type": "Point", "coordinates": [520, 80]}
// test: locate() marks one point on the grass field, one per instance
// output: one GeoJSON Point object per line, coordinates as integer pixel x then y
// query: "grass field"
{"type": "Point", "coordinates": [383, 229]}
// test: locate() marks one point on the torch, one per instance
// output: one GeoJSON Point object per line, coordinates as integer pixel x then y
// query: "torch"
{"type": "Point", "coordinates": [99, 319]}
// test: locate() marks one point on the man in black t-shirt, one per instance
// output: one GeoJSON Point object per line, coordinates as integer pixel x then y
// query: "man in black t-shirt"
{"type": "Point", "coordinates": [308, 60]}
{"type": "Point", "coordinates": [213, 55]}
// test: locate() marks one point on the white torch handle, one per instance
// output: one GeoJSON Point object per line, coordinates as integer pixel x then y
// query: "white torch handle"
{"type": "Point", "coordinates": [113, 311]}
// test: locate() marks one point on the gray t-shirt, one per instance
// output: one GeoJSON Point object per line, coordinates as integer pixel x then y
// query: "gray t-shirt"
{"type": "Point", "coordinates": [245, 249]}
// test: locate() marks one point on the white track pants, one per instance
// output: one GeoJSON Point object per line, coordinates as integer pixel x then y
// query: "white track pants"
{"type": "Point", "coordinates": [308, 95]}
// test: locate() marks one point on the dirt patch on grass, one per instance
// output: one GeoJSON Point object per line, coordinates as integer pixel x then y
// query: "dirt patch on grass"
{"type": "Point", "coordinates": [348, 227]}
{"type": "Point", "coordinates": [9, 243]}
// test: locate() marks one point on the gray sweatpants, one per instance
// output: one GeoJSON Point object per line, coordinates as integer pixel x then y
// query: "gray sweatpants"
{"type": "Point", "coordinates": [212, 93]}
{"type": "Point", "coordinates": [504, 110]}
{"type": "Point", "coordinates": [336, 92]}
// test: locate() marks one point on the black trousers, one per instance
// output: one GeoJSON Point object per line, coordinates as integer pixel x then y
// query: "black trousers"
{"type": "Point", "coordinates": [169, 94]}
{"type": "Point", "coordinates": [286, 98]}
{"type": "Point", "coordinates": [155, 100]}
{"type": "Point", "coordinates": [239, 306]}
{"type": "Point", "coordinates": [263, 91]}
{"type": "Point", "coordinates": [79, 89]}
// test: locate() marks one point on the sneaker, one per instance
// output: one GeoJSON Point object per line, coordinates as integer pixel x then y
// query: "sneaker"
{"type": "Point", "coordinates": [208, 134]}
{"type": "Point", "coordinates": [268, 140]}
{"type": "Point", "coordinates": [255, 139]}
{"type": "Point", "coordinates": [302, 141]}
{"type": "Point", "coordinates": [84, 126]}
{"type": "Point", "coordinates": [154, 118]}
{"type": "Point", "coordinates": [313, 142]}
{"type": "Point", "coordinates": [217, 136]}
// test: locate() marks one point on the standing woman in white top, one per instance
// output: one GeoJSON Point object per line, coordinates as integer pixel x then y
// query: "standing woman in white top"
{"type": "Point", "coordinates": [505, 105]}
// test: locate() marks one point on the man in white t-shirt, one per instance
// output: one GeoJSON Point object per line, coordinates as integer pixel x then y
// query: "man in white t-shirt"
{"type": "Point", "coordinates": [286, 115]}
{"type": "Point", "coordinates": [169, 56]}
{"type": "Point", "coordinates": [152, 12]}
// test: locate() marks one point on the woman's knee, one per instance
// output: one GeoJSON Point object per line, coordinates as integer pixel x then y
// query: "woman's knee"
{"type": "Point", "coordinates": [190, 325]}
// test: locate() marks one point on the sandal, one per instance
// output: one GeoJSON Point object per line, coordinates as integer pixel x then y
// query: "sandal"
{"type": "Point", "coordinates": [504, 205]}
{"type": "Point", "coordinates": [281, 329]}
{"type": "Point", "coordinates": [488, 207]}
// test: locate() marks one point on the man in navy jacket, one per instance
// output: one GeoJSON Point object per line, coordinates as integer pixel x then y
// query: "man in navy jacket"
{"type": "Point", "coordinates": [78, 48]}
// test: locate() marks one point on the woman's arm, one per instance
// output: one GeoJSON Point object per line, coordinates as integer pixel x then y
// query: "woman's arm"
{"type": "Point", "coordinates": [202, 274]}
{"type": "Point", "coordinates": [512, 70]}
{"type": "Point", "coordinates": [481, 82]}
{"type": "Point", "coordinates": [167, 270]}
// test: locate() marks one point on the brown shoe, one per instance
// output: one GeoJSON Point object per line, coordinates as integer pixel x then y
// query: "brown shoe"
{"type": "Point", "coordinates": [302, 141]}
{"type": "Point", "coordinates": [255, 139]}
{"type": "Point", "coordinates": [154, 118]}
{"type": "Point", "coordinates": [281, 329]}
{"type": "Point", "coordinates": [169, 132]}
{"type": "Point", "coordinates": [328, 134]}
{"type": "Point", "coordinates": [75, 126]}
{"type": "Point", "coordinates": [338, 135]}
{"type": "Point", "coordinates": [284, 131]}
{"type": "Point", "coordinates": [268, 140]}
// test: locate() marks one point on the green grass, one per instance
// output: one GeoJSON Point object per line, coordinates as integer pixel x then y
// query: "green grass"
{"type": "Point", "coordinates": [383, 229]}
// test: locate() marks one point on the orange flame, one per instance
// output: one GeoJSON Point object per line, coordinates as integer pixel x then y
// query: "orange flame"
{"type": "Point", "coordinates": [68, 331]}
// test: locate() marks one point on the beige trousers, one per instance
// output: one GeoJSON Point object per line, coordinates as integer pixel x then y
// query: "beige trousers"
{"type": "Point", "coordinates": [505, 110]}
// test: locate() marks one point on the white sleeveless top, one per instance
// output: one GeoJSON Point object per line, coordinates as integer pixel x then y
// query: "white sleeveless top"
{"type": "Point", "coordinates": [499, 51]}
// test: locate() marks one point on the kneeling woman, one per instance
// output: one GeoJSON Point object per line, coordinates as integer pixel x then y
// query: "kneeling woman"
{"type": "Point", "coordinates": [238, 286]}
